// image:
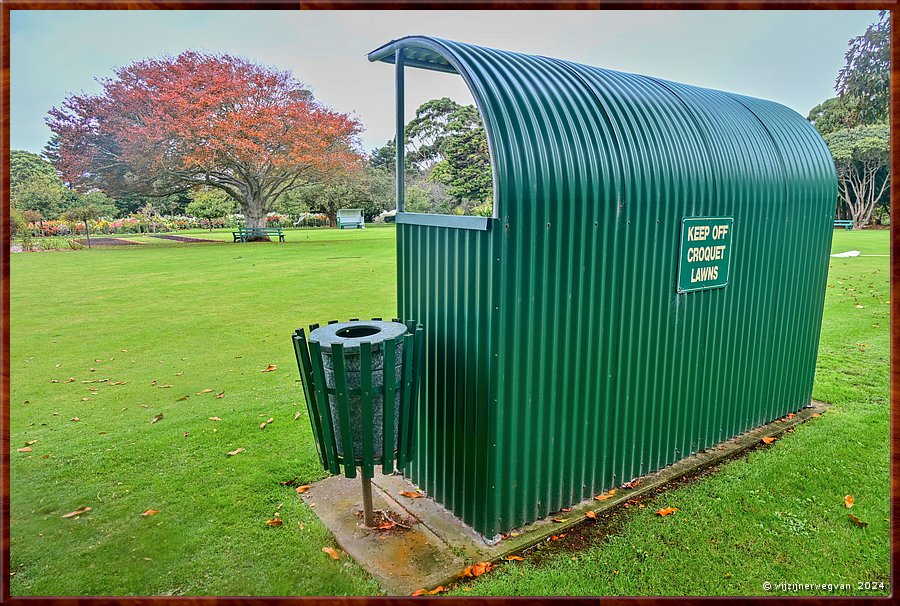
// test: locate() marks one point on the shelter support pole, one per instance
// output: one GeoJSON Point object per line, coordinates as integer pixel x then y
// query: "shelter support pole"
{"type": "Point", "coordinates": [368, 514]}
{"type": "Point", "coordinates": [401, 138]}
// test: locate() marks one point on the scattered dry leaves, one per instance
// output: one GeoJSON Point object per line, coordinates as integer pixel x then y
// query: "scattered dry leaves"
{"type": "Point", "coordinates": [269, 368]}
{"type": "Point", "coordinates": [514, 558]}
{"type": "Point", "coordinates": [560, 520]}
{"type": "Point", "coordinates": [275, 522]}
{"type": "Point", "coordinates": [631, 484]}
{"type": "Point", "coordinates": [77, 512]}
{"type": "Point", "coordinates": [848, 501]}
{"type": "Point", "coordinates": [666, 511]}
{"type": "Point", "coordinates": [768, 439]}
{"type": "Point", "coordinates": [791, 415]}
{"type": "Point", "coordinates": [412, 494]}
{"type": "Point", "coordinates": [591, 515]}
{"type": "Point", "coordinates": [332, 552]}
{"type": "Point", "coordinates": [266, 422]}
{"type": "Point", "coordinates": [815, 415]}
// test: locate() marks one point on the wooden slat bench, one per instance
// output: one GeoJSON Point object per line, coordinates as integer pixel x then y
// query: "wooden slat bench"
{"type": "Point", "coordinates": [843, 223]}
{"type": "Point", "coordinates": [245, 233]}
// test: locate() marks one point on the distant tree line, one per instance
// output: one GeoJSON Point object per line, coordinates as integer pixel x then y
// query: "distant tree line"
{"type": "Point", "coordinates": [854, 124]}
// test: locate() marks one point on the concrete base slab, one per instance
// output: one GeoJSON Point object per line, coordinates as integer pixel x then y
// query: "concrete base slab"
{"type": "Point", "coordinates": [438, 546]}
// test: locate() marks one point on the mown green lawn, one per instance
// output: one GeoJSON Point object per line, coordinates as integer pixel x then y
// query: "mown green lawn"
{"type": "Point", "coordinates": [213, 316]}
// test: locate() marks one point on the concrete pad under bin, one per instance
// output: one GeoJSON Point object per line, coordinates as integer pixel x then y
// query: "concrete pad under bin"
{"type": "Point", "coordinates": [439, 545]}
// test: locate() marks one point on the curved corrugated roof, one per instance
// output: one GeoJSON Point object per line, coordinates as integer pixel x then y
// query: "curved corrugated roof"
{"type": "Point", "coordinates": [562, 359]}
{"type": "Point", "coordinates": [556, 128]}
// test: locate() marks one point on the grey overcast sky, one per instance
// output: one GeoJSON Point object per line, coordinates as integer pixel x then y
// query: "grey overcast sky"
{"type": "Point", "coordinates": [788, 56]}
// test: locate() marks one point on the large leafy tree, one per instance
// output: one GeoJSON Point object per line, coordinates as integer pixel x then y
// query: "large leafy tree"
{"type": "Point", "coordinates": [165, 126]}
{"type": "Point", "coordinates": [862, 157]}
{"type": "Point", "coordinates": [864, 81]}
{"type": "Point", "coordinates": [830, 115]}
{"type": "Point", "coordinates": [35, 186]}
{"type": "Point", "coordinates": [427, 132]}
{"type": "Point", "coordinates": [466, 167]}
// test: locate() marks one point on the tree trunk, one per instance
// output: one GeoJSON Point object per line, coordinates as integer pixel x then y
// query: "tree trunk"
{"type": "Point", "coordinates": [254, 214]}
{"type": "Point", "coordinates": [87, 230]}
{"type": "Point", "coordinates": [332, 218]}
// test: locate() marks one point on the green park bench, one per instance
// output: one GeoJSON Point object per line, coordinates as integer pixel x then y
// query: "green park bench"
{"type": "Point", "coordinates": [846, 224]}
{"type": "Point", "coordinates": [245, 233]}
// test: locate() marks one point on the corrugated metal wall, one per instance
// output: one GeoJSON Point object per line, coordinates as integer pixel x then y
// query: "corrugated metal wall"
{"type": "Point", "coordinates": [561, 360]}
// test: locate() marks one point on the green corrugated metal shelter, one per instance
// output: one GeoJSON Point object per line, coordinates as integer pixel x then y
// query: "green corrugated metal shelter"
{"type": "Point", "coordinates": [580, 337]}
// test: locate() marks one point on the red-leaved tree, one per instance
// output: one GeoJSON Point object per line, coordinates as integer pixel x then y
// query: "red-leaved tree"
{"type": "Point", "coordinates": [164, 126]}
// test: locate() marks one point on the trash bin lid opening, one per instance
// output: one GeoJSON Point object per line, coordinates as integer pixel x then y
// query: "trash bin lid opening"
{"type": "Point", "coordinates": [357, 332]}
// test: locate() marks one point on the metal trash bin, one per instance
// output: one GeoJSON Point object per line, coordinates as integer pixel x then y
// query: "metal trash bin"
{"type": "Point", "coordinates": [351, 396]}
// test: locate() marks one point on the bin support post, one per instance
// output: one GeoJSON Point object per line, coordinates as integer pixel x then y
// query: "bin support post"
{"type": "Point", "coordinates": [368, 514]}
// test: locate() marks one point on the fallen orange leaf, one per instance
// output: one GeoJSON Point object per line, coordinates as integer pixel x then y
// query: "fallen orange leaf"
{"type": "Point", "coordinates": [302, 489]}
{"type": "Point", "coordinates": [215, 419]}
{"type": "Point", "coordinates": [436, 590]}
{"type": "Point", "coordinates": [666, 511]}
{"type": "Point", "coordinates": [591, 515]}
{"type": "Point", "coordinates": [815, 414]}
{"type": "Point", "coordinates": [848, 501]}
{"type": "Point", "coordinates": [560, 520]}
{"type": "Point", "coordinates": [150, 513]}
{"type": "Point", "coordinates": [476, 570]}
{"type": "Point", "coordinates": [332, 552]}
{"type": "Point", "coordinates": [275, 522]}
{"type": "Point", "coordinates": [791, 415]}
{"type": "Point", "coordinates": [31, 443]}
{"type": "Point", "coordinates": [234, 452]}
{"type": "Point", "coordinates": [269, 368]}
{"type": "Point", "coordinates": [156, 418]}
{"type": "Point", "coordinates": [857, 521]}
{"type": "Point", "coordinates": [606, 495]}
{"type": "Point", "coordinates": [203, 391]}
{"type": "Point", "coordinates": [768, 440]}
{"type": "Point", "coordinates": [26, 449]}
{"type": "Point", "coordinates": [220, 395]}
{"type": "Point", "coordinates": [77, 512]}
{"type": "Point", "coordinates": [418, 592]}
{"type": "Point", "coordinates": [412, 495]}
{"type": "Point", "coordinates": [76, 419]}
{"type": "Point", "coordinates": [514, 558]}
{"type": "Point", "coordinates": [296, 415]}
